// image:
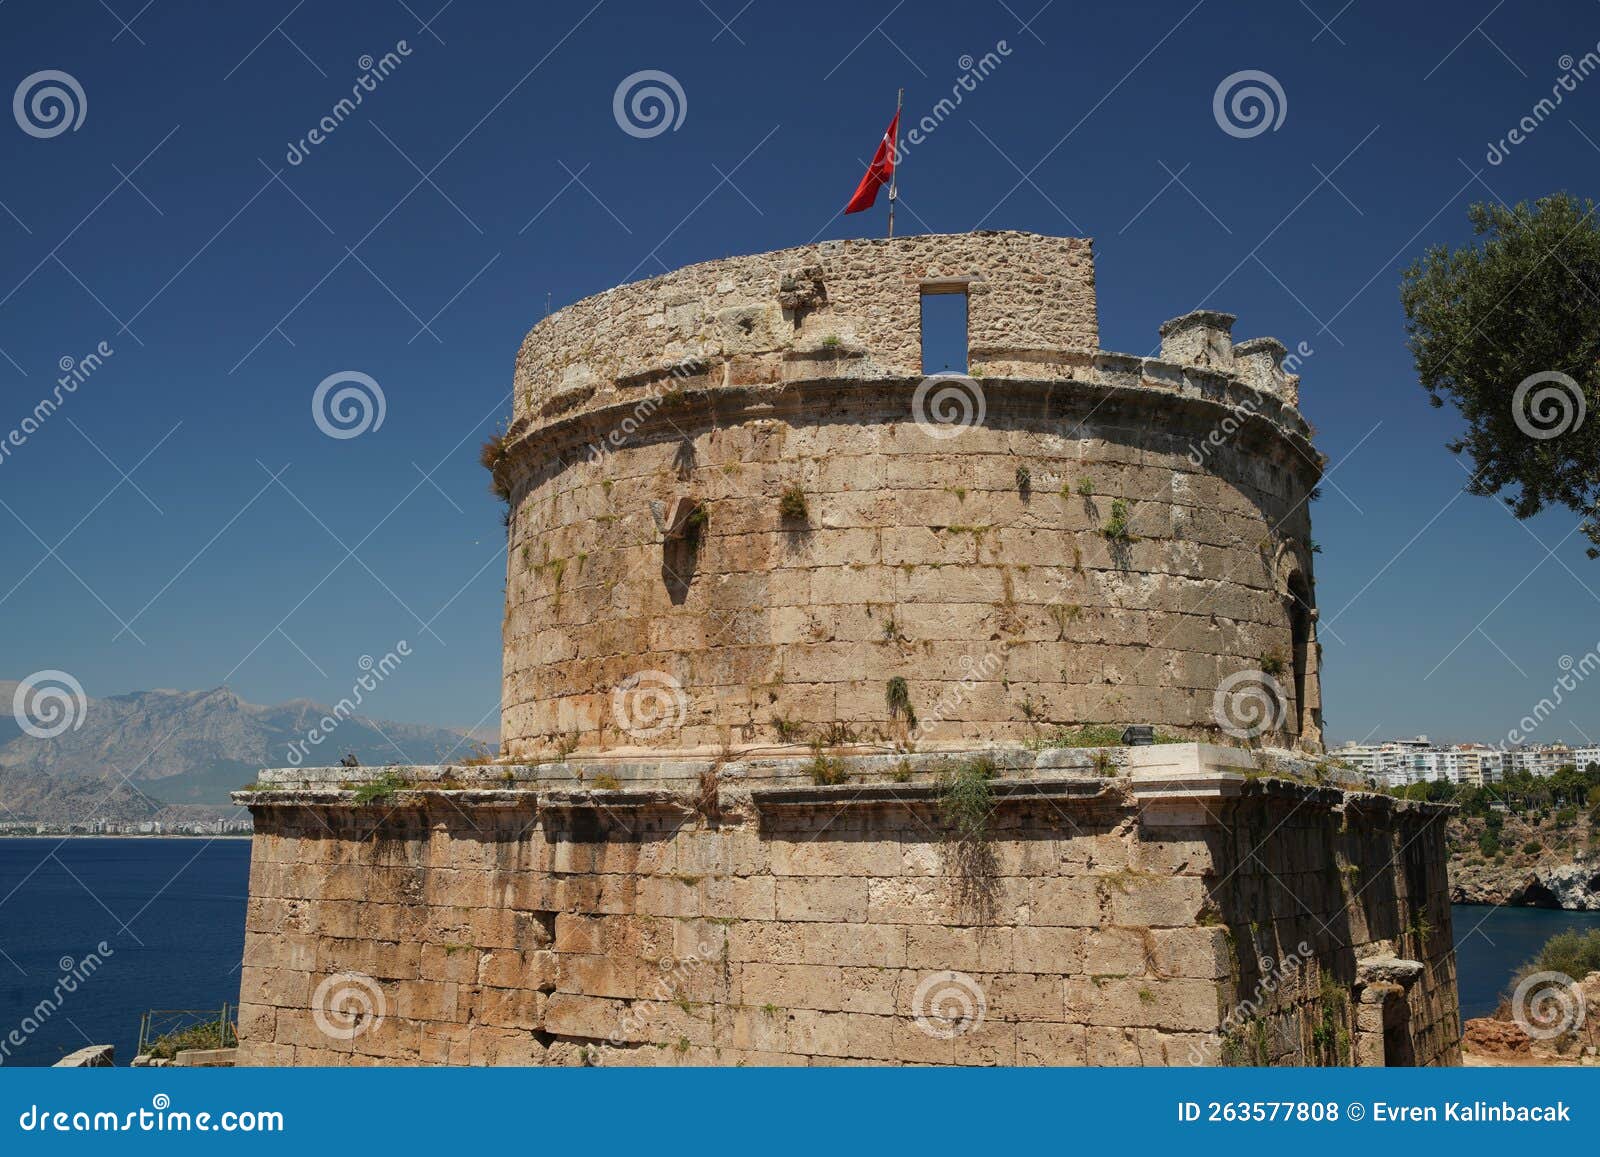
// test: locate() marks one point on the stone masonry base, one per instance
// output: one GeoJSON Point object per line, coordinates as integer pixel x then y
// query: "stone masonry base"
{"type": "Point", "coordinates": [1165, 906]}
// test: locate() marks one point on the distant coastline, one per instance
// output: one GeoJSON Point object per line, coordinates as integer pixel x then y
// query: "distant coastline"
{"type": "Point", "coordinates": [124, 836]}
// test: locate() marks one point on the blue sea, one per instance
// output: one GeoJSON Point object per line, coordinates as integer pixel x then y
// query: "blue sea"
{"type": "Point", "coordinates": [171, 914]}
{"type": "Point", "coordinates": [1492, 943]}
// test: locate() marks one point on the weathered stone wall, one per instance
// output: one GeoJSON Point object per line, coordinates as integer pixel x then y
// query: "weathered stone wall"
{"type": "Point", "coordinates": [1098, 924]}
{"type": "Point", "coordinates": [1326, 868]}
{"type": "Point", "coordinates": [648, 531]}
{"type": "Point", "coordinates": [916, 558]}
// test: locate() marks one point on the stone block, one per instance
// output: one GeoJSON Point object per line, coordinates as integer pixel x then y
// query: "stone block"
{"type": "Point", "coordinates": [822, 898]}
{"type": "Point", "coordinates": [536, 969]}
{"type": "Point", "coordinates": [1067, 901]}
{"type": "Point", "coordinates": [574, 1015]}
{"type": "Point", "coordinates": [1051, 1044]}
{"type": "Point", "coordinates": [960, 949]}
{"type": "Point", "coordinates": [1156, 902]}
{"type": "Point", "coordinates": [1182, 1005]}
{"type": "Point", "coordinates": [1048, 950]}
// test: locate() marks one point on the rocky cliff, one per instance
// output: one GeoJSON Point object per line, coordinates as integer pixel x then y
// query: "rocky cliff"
{"type": "Point", "coordinates": [1540, 863]}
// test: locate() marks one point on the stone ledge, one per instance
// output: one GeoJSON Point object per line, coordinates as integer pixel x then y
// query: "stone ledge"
{"type": "Point", "coordinates": [1171, 784]}
{"type": "Point", "coordinates": [641, 770]}
{"type": "Point", "coordinates": [669, 769]}
{"type": "Point", "coordinates": [1389, 969]}
{"type": "Point", "coordinates": [206, 1058]}
{"type": "Point", "coordinates": [410, 796]}
{"type": "Point", "coordinates": [607, 799]}
{"type": "Point", "coordinates": [1005, 790]}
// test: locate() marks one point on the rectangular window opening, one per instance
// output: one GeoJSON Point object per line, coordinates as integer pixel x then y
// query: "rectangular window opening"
{"type": "Point", "coordinates": [944, 330]}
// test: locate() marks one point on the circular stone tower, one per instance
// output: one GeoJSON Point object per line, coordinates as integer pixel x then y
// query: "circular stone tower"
{"type": "Point", "coordinates": [742, 519]}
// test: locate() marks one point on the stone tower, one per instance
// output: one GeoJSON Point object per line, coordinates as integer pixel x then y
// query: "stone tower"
{"type": "Point", "coordinates": [741, 518]}
{"type": "Point", "coordinates": [792, 637]}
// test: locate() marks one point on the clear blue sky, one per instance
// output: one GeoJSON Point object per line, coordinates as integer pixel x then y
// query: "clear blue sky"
{"type": "Point", "coordinates": [421, 239]}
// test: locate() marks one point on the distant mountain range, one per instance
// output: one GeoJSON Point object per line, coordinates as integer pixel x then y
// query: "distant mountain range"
{"type": "Point", "coordinates": [183, 751]}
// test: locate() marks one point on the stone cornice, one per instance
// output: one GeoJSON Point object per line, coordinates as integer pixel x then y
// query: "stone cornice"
{"type": "Point", "coordinates": [1182, 773]}
{"type": "Point", "coordinates": [1202, 398]}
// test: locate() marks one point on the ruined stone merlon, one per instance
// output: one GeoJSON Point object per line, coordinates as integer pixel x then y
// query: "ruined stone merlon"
{"type": "Point", "coordinates": [1259, 362]}
{"type": "Point", "coordinates": [1201, 338]}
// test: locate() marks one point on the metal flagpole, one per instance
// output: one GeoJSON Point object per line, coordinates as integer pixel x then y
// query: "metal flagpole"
{"type": "Point", "coordinates": [894, 159]}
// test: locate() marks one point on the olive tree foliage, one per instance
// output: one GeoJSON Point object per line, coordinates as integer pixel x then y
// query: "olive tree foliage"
{"type": "Point", "coordinates": [1507, 331]}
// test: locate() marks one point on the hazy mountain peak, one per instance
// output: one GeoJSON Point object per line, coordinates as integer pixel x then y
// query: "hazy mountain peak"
{"type": "Point", "coordinates": [181, 746]}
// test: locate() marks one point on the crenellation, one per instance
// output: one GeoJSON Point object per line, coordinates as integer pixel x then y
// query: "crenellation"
{"type": "Point", "coordinates": [1203, 337]}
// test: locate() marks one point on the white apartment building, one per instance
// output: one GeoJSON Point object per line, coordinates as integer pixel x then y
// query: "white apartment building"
{"type": "Point", "coordinates": [1398, 762]}
{"type": "Point", "coordinates": [1384, 760]}
{"type": "Point", "coordinates": [1547, 759]}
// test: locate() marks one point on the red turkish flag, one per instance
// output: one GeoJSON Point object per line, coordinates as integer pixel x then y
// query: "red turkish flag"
{"type": "Point", "coordinates": [879, 172]}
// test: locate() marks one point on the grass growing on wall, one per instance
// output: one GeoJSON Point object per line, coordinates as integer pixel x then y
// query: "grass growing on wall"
{"type": "Point", "coordinates": [377, 790]}
{"type": "Point", "coordinates": [827, 770]}
{"type": "Point", "coordinates": [792, 505]}
{"type": "Point", "coordinates": [1331, 1037]}
{"type": "Point", "coordinates": [1092, 735]}
{"type": "Point", "coordinates": [897, 695]}
{"type": "Point", "coordinates": [966, 799]}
